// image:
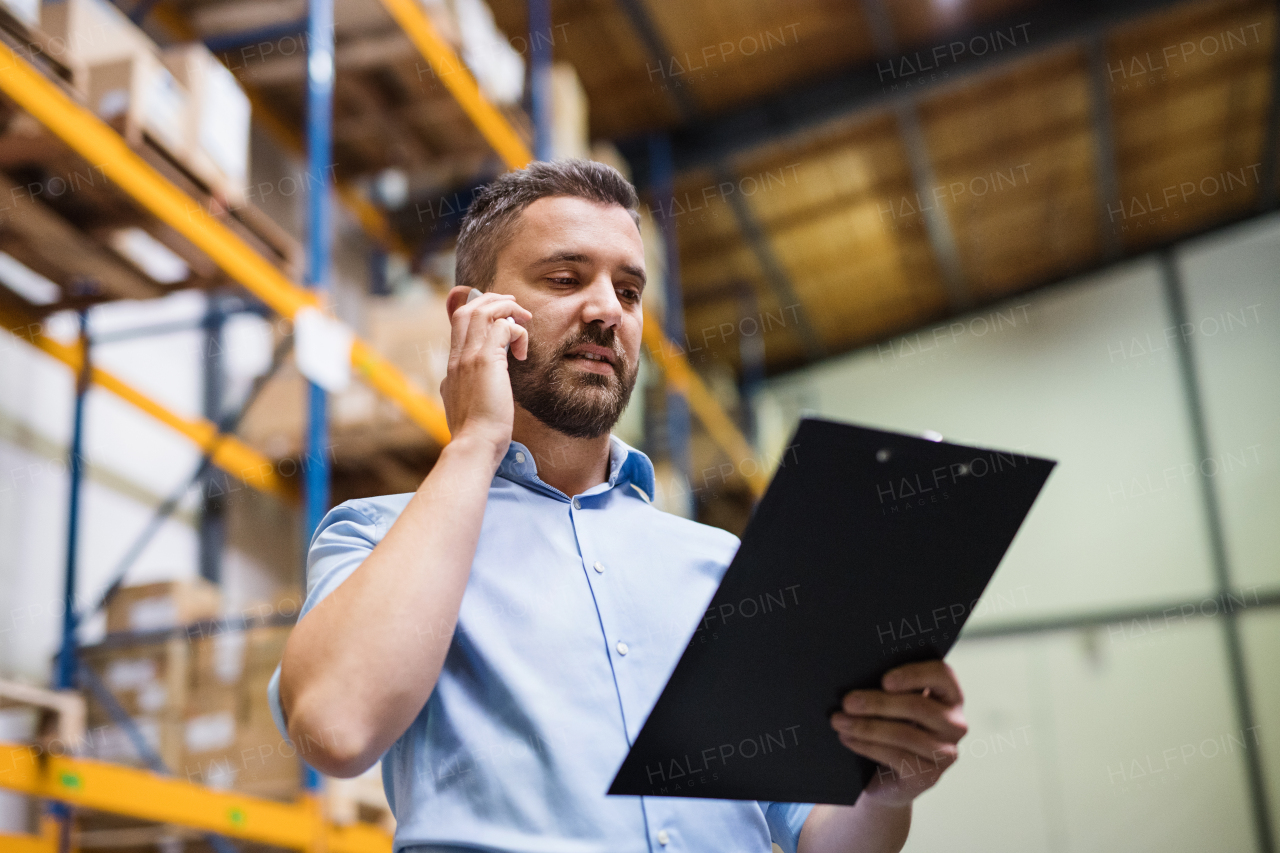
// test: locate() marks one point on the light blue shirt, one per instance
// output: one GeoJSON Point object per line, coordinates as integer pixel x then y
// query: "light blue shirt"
{"type": "Point", "coordinates": [574, 616]}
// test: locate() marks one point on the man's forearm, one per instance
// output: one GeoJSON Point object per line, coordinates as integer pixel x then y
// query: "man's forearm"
{"type": "Point", "coordinates": [359, 667]}
{"type": "Point", "coordinates": [866, 827]}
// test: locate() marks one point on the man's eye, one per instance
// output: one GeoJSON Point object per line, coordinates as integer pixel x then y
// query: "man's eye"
{"type": "Point", "coordinates": [558, 280]}
{"type": "Point", "coordinates": [632, 295]}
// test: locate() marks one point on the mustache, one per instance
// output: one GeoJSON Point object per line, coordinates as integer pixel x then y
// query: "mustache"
{"type": "Point", "coordinates": [606, 338]}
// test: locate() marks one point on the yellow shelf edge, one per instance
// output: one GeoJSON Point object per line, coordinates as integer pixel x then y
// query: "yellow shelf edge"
{"type": "Point", "coordinates": [142, 794]}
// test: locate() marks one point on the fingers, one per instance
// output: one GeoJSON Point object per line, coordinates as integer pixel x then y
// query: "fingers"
{"type": "Point", "coordinates": [473, 323]}
{"type": "Point", "coordinates": [934, 675]}
{"type": "Point", "coordinates": [896, 735]}
{"type": "Point", "coordinates": [518, 340]}
{"type": "Point", "coordinates": [903, 763]}
{"type": "Point", "coordinates": [944, 721]}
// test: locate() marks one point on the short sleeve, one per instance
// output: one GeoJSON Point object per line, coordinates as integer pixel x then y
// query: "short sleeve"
{"type": "Point", "coordinates": [344, 537]}
{"type": "Point", "coordinates": [785, 822]}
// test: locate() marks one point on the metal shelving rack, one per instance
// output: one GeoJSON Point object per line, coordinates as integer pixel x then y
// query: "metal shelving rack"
{"type": "Point", "coordinates": [68, 781]}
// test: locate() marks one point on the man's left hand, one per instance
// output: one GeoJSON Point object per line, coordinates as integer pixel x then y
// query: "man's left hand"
{"type": "Point", "coordinates": [911, 728]}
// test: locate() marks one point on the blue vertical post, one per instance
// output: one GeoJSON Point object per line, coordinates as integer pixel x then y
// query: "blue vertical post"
{"type": "Point", "coordinates": [213, 482]}
{"type": "Point", "coordinates": [662, 183]}
{"type": "Point", "coordinates": [540, 57]}
{"type": "Point", "coordinates": [75, 467]}
{"type": "Point", "coordinates": [65, 677]}
{"type": "Point", "coordinates": [320, 72]}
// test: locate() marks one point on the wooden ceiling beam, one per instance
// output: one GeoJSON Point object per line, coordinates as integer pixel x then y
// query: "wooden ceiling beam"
{"type": "Point", "coordinates": [707, 138]}
{"type": "Point", "coordinates": [775, 274]}
{"type": "Point", "coordinates": [1270, 148]}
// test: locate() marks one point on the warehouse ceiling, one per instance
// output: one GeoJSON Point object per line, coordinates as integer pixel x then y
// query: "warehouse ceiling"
{"type": "Point", "coordinates": [846, 171]}
{"type": "Point", "coordinates": [843, 170]}
{"type": "Point", "coordinates": [837, 173]}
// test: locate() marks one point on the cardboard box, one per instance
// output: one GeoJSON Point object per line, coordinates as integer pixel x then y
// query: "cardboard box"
{"type": "Point", "coordinates": [201, 704]}
{"type": "Point", "coordinates": [140, 97]}
{"type": "Point", "coordinates": [218, 122]}
{"type": "Point", "coordinates": [570, 136]}
{"type": "Point", "coordinates": [26, 11]}
{"type": "Point", "coordinates": [89, 32]}
{"type": "Point", "coordinates": [167, 604]}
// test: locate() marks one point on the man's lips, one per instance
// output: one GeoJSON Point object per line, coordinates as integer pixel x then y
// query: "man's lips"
{"type": "Point", "coordinates": [592, 352]}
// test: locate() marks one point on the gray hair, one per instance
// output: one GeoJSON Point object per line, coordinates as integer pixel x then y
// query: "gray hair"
{"type": "Point", "coordinates": [490, 220]}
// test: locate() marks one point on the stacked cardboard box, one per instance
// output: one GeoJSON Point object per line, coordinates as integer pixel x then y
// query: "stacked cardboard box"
{"type": "Point", "coordinates": [88, 32]}
{"type": "Point", "coordinates": [268, 764]}
{"type": "Point", "coordinates": [216, 133]}
{"type": "Point", "coordinates": [412, 332]}
{"type": "Point", "coordinates": [142, 99]}
{"type": "Point", "coordinates": [200, 701]}
{"type": "Point", "coordinates": [183, 100]}
{"type": "Point", "coordinates": [26, 11]}
{"type": "Point", "coordinates": [168, 604]}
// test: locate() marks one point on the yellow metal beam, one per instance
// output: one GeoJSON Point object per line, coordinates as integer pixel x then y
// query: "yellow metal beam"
{"type": "Point", "coordinates": [491, 123]}
{"type": "Point", "coordinates": [45, 842]}
{"type": "Point", "coordinates": [229, 453]}
{"type": "Point", "coordinates": [27, 844]}
{"type": "Point", "coordinates": [495, 128]}
{"type": "Point", "coordinates": [682, 377]}
{"type": "Point", "coordinates": [82, 131]}
{"type": "Point", "coordinates": [370, 218]}
{"type": "Point", "coordinates": [143, 794]}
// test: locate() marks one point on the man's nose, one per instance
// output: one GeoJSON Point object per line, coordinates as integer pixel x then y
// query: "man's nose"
{"type": "Point", "coordinates": [602, 303]}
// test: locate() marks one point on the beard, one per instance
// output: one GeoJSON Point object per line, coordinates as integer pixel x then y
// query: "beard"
{"type": "Point", "coordinates": [577, 403]}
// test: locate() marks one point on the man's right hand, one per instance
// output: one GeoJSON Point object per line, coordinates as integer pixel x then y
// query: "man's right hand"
{"type": "Point", "coordinates": [357, 670]}
{"type": "Point", "coordinates": [477, 388]}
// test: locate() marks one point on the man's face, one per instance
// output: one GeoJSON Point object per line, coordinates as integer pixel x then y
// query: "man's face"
{"type": "Point", "coordinates": [578, 267]}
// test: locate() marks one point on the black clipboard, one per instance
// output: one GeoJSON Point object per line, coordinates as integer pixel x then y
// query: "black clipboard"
{"type": "Point", "coordinates": [868, 550]}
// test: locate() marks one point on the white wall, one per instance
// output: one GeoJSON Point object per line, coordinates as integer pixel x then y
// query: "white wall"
{"type": "Point", "coordinates": [134, 463]}
{"type": "Point", "coordinates": [1086, 373]}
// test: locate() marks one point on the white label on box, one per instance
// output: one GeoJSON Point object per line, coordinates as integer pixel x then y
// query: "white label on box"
{"type": "Point", "coordinates": [220, 775]}
{"type": "Point", "coordinates": [164, 108]}
{"type": "Point", "coordinates": [112, 103]}
{"type": "Point", "coordinates": [148, 614]}
{"type": "Point", "coordinates": [496, 65]}
{"type": "Point", "coordinates": [224, 122]}
{"type": "Point", "coordinates": [322, 349]}
{"type": "Point", "coordinates": [111, 743]}
{"type": "Point", "coordinates": [152, 697]}
{"type": "Point", "coordinates": [228, 656]}
{"type": "Point", "coordinates": [210, 731]}
{"type": "Point", "coordinates": [27, 11]}
{"type": "Point", "coordinates": [129, 673]}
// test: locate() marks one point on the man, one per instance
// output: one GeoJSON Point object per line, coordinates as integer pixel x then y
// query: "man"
{"type": "Point", "coordinates": [498, 636]}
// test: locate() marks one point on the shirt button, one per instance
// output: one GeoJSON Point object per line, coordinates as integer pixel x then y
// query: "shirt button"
{"type": "Point", "coordinates": [519, 457]}
{"type": "Point", "coordinates": [663, 838]}
{"type": "Point", "coordinates": [599, 567]}
{"type": "Point", "coordinates": [622, 648]}
{"type": "Point", "coordinates": [577, 504]}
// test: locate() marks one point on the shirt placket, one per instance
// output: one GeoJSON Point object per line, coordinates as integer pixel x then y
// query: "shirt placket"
{"type": "Point", "coordinates": [662, 835]}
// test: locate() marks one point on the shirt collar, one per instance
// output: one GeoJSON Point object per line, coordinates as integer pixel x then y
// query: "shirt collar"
{"type": "Point", "coordinates": [626, 466]}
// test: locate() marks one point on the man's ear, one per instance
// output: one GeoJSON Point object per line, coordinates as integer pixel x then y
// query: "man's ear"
{"type": "Point", "coordinates": [456, 299]}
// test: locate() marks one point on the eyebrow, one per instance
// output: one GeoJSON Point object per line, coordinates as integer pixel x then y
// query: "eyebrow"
{"type": "Point", "coordinates": [577, 258]}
